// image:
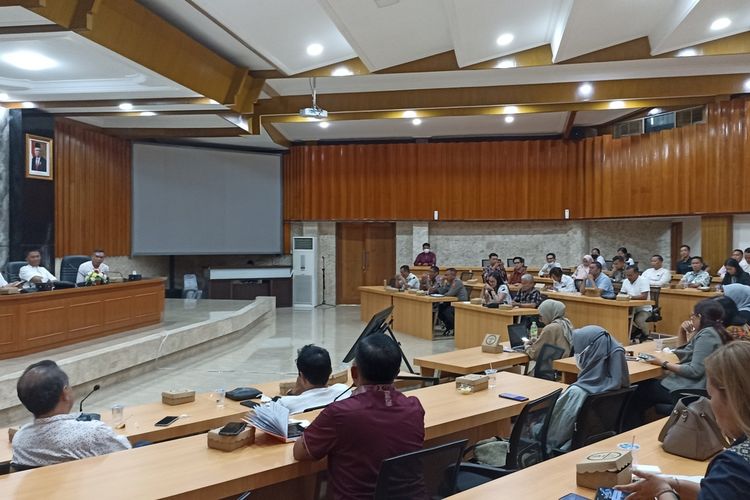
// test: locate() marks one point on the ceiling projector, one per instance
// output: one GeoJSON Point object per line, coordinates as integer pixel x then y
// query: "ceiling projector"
{"type": "Point", "coordinates": [314, 112]}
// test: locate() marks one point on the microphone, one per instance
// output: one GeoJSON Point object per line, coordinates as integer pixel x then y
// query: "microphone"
{"type": "Point", "coordinates": [86, 417]}
{"type": "Point", "coordinates": [345, 391]}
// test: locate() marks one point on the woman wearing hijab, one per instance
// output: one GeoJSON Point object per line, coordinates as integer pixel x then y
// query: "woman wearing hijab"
{"type": "Point", "coordinates": [602, 368]}
{"type": "Point", "coordinates": [740, 295]}
{"type": "Point", "coordinates": [735, 274]}
{"type": "Point", "coordinates": [558, 330]}
{"type": "Point", "coordinates": [582, 271]}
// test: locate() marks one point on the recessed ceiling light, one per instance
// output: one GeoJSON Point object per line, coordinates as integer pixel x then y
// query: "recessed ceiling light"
{"type": "Point", "coordinates": [409, 114]}
{"type": "Point", "coordinates": [416, 121]}
{"type": "Point", "coordinates": [504, 39]}
{"type": "Point", "coordinates": [125, 106]}
{"type": "Point", "coordinates": [506, 63]}
{"type": "Point", "coordinates": [4, 96]}
{"type": "Point", "coordinates": [324, 124]}
{"type": "Point", "coordinates": [29, 60]}
{"type": "Point", "coordinates": [147, 113]}
{"type": "Point", "coordinates": [654, 111]}
{"type": "Point", "coordinates": [342, 71]}
{"type": "Point", "coordinates": [510, 119]}
{"type": "Point", "coordinates": [28, 104]}
{"type": "Point", "coordinates": [314, 49]}
{"type": "Point", "coordinates": [585, 89]}
{"type": "Point", "coordinates": [616, 104]}
{"type": "Point", "coordinates": [687, 53]}
{"type": "Point", "coordinates": [746, 85]}
{"type": "Point", "coordinates": [510, 110]}
{"type": "Point", "coordinates": [720, 24]}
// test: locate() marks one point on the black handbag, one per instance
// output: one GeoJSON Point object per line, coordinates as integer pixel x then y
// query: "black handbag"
{"type": "Point", "coordinates": [243, 393]}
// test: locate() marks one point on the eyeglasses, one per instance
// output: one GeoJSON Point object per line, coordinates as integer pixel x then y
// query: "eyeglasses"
{"type": "Point", "coordinates": [695, 315]}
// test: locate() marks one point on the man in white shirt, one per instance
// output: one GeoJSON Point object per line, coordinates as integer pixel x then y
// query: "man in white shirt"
{"type": "Point", "coordinates": [32, 272]}
{"type": "Point", "coordinates": [657, 274]}
{"type": "Point", "coordinates": [549, 265]}
{"type": "Point", "coordinates": [55, 436]}
{"type": "Point", "coordinates": [96, 263]}
{"type": "Point", "coordinates": [745, 263]}
{"type": "Point", "coordinates": [561, 282]}
{"type": "Point", "coordinates": [406, 279]}
{"type": "Point", "coordinates": [312, 390]}
{"type": "Point", "coordinates": [5, 284]}
{"type": "Point", "coordinates": [739, 256]}
{"type": "Point", "coordinates": [596, 254]}
{"type": "Point", "coordinates": [635, 286]}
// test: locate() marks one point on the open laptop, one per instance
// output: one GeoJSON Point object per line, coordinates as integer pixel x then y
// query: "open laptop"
{"type": "Point", "coordinates": [517, 335]}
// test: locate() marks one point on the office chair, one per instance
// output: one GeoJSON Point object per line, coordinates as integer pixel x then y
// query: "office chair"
{"type": "Point", "coordinates": [547, 354]}
{"type": "Point", "coordinates": [655, 315]}
{"type": "Point", "coordinates": [69, 267]}
{"type": "Point", "coordinates": [12, 268]}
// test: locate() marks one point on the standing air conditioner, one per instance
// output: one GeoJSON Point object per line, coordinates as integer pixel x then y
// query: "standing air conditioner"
{"type": "Point", "coordinates": [304, 272]}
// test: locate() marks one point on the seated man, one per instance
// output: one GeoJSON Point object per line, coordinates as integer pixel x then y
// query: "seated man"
{"type": "Point", "coordinates": [431, 280]}
{"type": "Point", "coordinates": [597, 279]}
{"type": "Point", "coordinates": [5, 284]}
{"type": "Point", "coordinates": [527, 295]}
{"type": "Point", "coordinates": [657, 274]}
{"type": "Point", "coordinates": [618, 269]}
{"type": "Point", "coordinates": [32, 272]}
{"type": "Point", "coordinates": [561, 282]}
{"type": "Point", "coordinates": [95, 264]}
{"type": "Point", "coordinates": [637, 288]}
{"type": "Point", "coordinates": [375, 423]}
{"type": "Point", "coordinates": [549, 265]}
{"type": "Point", "coordinates": [495, 268]}
{"type": "Point", "coordinates": [406, 280]}
{"type": "Point", "coordinates": [684, 265]}
{"type": "Point", "coordinates": [56, 436]}
{"type": "Point", "coordinates": [312, 390]}
{"type": "Point", "coordinates": [450, 287]}
{"type": "Point", "coordinates": [519, 269]}
{"type": "Point", "coordinates": [426, 258]}
{"type": "Point", "coordinates": [697, 277]}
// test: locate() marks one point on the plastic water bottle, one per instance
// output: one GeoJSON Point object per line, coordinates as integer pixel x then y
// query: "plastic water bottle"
{"type": "Point", "coordinates": [533, 331]}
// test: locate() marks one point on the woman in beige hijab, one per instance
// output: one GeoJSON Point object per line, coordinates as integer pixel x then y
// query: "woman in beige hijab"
{"type": "Point", "coordinates": [558, 330]}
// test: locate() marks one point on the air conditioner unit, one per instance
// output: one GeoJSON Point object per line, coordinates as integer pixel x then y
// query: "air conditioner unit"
{"type": "Point", "coordinates": [304, 272]}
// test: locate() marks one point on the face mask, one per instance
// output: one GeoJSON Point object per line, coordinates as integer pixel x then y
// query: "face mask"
{"type": "Point", "coordinates": [426, 250]}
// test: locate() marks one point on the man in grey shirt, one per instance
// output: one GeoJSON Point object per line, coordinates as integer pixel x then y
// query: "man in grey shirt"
{"type": "Point", "coordinates": [450, 287]}
{"type": "Point", "coordinates": [55, 435]}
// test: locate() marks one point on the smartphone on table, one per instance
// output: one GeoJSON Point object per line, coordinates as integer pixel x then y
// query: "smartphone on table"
{"type": "Point", "coordinates": [166, 421]}
{"type": "Point", "coordinates": [514, 397]}
{"type": "Point", "coordinates": [610, 494]}
{"type": "Point", "coordinates": [232, 429]}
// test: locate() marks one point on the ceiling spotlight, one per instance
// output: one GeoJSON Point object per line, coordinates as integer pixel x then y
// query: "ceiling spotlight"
{"type": "Point", "coordinates": [504, 39]}
{"type": "Point", "coordinates": [506, 63]}
{"type": "Point", "coordinates": [720, 24]}
{"type": "Point", "coordinates": [342, 71]}
{"type": "Point", "coordinates": [416, 121]}
{"type": "Point", "coordinates": [510, 110]}
{"type": "Point", "coordinates": [510, 119]}
{"type": "Point", "coordinates": [654, 111]}
{"type": "Point", "coordinates": [125, 106]}
{"type": "Point", "coordinates": [29, 60]}
{"type": "Point", "coordinates": [4, 96]}
{"type": "Point", "coordinates": [687, 53]}
{"type": "Point", "coordinates": [314, 49]}
{"type": "Point", "coordinates": [147, 113]}
{"type": "Point", "coordinates": [28, 104]}
{"type": "Point", "coordinates": [324, 124]}
{"type": "Point", "coordinates": [746, 85]}
{"type": "Point", "coordinates": [616, 104]}
{"type": "Point", "coordinates": [585, 89]}
{"type": "Point", "coordinates": [409, 114]}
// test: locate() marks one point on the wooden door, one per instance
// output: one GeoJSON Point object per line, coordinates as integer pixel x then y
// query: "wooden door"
{"type": "Point", "coordinates": [365, 255]}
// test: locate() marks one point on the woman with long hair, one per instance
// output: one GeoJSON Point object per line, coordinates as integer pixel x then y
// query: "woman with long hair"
{"type": "Point", "coordinates": [735, 274]}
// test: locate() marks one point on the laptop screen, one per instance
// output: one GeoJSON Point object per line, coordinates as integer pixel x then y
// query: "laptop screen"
{"type": "Point", "coordinates": [516, 333]}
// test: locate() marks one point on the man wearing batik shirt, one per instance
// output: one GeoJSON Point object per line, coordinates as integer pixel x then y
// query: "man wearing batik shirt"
{"type": "Point", "coordinates": [697, 277]}
{"type": "Point", "coordinates": [527, 295]}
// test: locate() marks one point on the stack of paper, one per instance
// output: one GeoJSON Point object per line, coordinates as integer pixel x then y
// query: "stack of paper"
{"type": "Point", "coordinates": [271, 418]}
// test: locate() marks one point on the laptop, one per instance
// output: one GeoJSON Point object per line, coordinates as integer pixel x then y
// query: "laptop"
{"type": "Point", "coordinates": [517, 335]}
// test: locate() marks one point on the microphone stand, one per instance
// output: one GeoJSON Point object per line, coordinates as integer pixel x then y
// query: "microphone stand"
{"type": "Point", "coordinates": [323, 303]}
{"type": "Point", "coordinates": [87, 417]}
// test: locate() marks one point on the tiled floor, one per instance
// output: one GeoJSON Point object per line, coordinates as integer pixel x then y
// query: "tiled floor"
{"type": "Point", "coordinates": [265, 352]}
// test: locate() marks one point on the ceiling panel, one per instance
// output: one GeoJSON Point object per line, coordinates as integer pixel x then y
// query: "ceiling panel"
{"type": "Point", "coordinates": [18, 16]}
{"type": "Point", "coordinates": [590, 118]}
{"type": "Point", "coordinates": [395, 34]}
{"type": "Point", "coordinates": [159, 121]}
{"type": "Point", "coordinates": [248, 141]}
{"type": "Point", "coordinates": [140, 107]}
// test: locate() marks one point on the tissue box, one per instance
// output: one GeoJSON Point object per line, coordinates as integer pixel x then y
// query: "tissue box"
{"type": "Point", "coordinates": [604, 469]}
{"type": "Point", "coordinates": [285, 387]}
{"type": "Point", "coordinates": [177, 397]}
{"type": "Point", "coordinates": [230, 443]}
{"type": "Point", "coordinates": [622, 296]}
{"type": "Point", "coordinates": [592, 292]}
{"type": "Point", "coordinates": [9, 291]}
{"type": "Point", "coordinates": [476, 301]}
{"type": "Point", "coordinates": [475, 382]}
{"type": "Point", "coordinates": [341, 377]}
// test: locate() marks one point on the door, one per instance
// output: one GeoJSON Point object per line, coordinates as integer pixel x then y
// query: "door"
{"type": "Point", "coordinates": [365, 255]}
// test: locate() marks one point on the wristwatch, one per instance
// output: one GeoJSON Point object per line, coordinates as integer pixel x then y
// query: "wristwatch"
{"type": "Point", "coordinates": [664, 364]}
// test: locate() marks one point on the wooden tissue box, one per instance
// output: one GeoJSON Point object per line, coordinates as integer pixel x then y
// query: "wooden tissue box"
{"type": "Point", "coordinates": [231, 443]}
{"type": "Point", "coordinates": [9, 291]}
{"type": "Point", "coordinates": [492, 343]}
{"type": "Point", "coordinates": [622, 296]}
{"type": "Point", "coordinates": [592, 292]}
{"type": "Point", "coordinates": [177, 397]}
{"type": "Point", "coordinates": [477, 301]}
{"type": "Point", "coordinates": [11, 432]}
{"type": "Point", "coordinates": [341, 377]}
{"type": "Point", "coordinates": [604, 469]}
{"type": "Point", "coordinates": [475, 382]}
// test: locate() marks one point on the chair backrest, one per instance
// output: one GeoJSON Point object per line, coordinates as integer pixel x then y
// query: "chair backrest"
{"type": "Point", "coordinates": [543, 367]}
{"type": "Point", "coordinates": [577, 283]}
{"type": "Point", "coordinates": [422, 475]}
{"type": "Point", "coordinates": [528, 439]}
{"type": "Point", "coordinates": [466, 275]}
{"type": "Point", "coordinates": [69, 267]}
{"type": "Point", "coordinates": [12, 268]}
{"type": "Point", "coordinates": [600, 417]}
{"type": "Point", "coordinates": [654, 294]}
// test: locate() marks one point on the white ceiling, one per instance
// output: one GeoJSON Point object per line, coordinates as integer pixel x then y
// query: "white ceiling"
{"type": "Point", "coordinates": [159, 121]}
{"type": "Point", "coordinates": [18, 16]}
{"type": "Point", "coordinates": [246, 141]}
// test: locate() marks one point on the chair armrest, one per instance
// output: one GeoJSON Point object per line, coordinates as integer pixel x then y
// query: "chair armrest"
{"type": "Point", "coordinates": [484, 470]}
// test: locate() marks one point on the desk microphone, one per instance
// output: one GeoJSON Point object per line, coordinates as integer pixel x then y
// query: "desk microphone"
{"type": "Point", "coordinates": [86, 417]}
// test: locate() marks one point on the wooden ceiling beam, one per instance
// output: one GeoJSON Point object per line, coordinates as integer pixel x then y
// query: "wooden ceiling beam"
{"type": "Point", "coordinates": [569, 122]}
{"type": "Point", "coordinates": [155, 133]}
{"type": "Point", "coordinates": [180, 112]}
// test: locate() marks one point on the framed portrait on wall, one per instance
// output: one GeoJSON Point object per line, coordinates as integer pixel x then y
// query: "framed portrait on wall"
{"type": "Point", "coordinates": [39, 158]}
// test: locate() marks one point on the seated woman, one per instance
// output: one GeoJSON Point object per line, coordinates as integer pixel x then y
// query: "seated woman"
{"type": "Point", "coordinates": [582, 271]}
{"type": "Point", "coordinates": [735, 274]}
{"type": "Point", "coordinates": [558, 330]}
{"type": "Point", "coordinates": [602, 365]}
{"type": "Point", "coordinates": [728, 475]}
{"type": "Point", "coordinates": [703, 335]}
{"type": "Point", "coordinates": [494, 292]}
{"type": "Point", "coordinates": [740, 295]}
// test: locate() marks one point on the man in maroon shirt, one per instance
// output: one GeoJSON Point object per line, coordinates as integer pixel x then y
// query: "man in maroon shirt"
{"type": "Point", "coordinates": [519, 269]}
{"type": "Point", "coordinates": [426, 258]}
{"type": "Point", "coordinates": [375, 423]}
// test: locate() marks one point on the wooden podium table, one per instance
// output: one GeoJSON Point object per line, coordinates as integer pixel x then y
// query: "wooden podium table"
{"type": "Point", "coordinates": [465, 361]}
{"type": "Point", "coordinates": [473, 322]}
{"type": "Point", "coordinates": [412, 314]}
{"type": "Point", "coordinates": [677, 306]}
{"type": "Point", "coordinates": [33, 322]}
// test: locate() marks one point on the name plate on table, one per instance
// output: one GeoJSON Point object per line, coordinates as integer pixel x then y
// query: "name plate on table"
{"type": "Point", "coordinates": [492, 343]}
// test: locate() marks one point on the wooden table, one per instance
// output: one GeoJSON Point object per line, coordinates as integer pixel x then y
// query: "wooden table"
{"type": "Point", "coordinates": [33, 322]}
{"type": "Point", "coordinates": [557, 477]}
{"type": "Point", "coordinates": [373, 299]}
{"type": "Point", "coordinates": [464, 361]}
{"type": "Point", "coordinates": [473, 322]}
{"type": "Point", "coordinates": [638, 370]}
{"type": "Point", "coordinates": [614, 316]}
{"type": "Point", "coordinates": [186, 468]}
{"type": "Point", "coordinates": [412, 314]}
{"type": "Point", "coordinates": [677, 306]}
{"type": "Point", "coordinates": [6, 452]}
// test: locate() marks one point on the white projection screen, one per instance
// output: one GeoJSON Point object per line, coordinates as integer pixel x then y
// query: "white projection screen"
{"type": "Point", "coordinates": [202, 201]}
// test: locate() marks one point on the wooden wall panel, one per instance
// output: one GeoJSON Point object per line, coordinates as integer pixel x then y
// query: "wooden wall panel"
{"type": "Point", "coordinates": [92, 191]}
{"type": "Point", "coordinates": [716, 240]}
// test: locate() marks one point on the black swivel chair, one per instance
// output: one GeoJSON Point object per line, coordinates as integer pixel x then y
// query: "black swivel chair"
{"type": "Point", "coordinates": [424, 474]}
{"type": "Point", "coordinates": [69, 267]}
{"type": "Point", "coordinates": [527, 445]}
{"type": "Point", "coordinates": [666, 409]}
{"type": "Point", "coordinates": [655, 315]}
{"type": "Point", "coordinates": [11, 270]}
{"type": "Point", "coordinates": [547, 354]}
{"type": "Point", "coordinates": [578, 283]}
{"type": "Point", "coordinates": [466, 275]}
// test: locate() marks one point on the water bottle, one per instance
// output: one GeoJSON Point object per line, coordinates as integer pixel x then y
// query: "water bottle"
{"type": "Point", "coordinates": [533, 331]}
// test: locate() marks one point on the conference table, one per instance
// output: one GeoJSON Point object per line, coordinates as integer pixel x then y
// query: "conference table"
{"type": "Point", "coordinates": [186, 468]}
{"type": "Point", "coordinates": [677, 306]}
{"type": "Point", "coordinates": [33, 322]}
{"type": "Point", "coordinates": [556, 477]}
{"type": "Point", "coordinates": [615, 316]}
{"type": "Point", "coordinates": [465, 361]}
{"type": "Point", "coordinates": [473, 322]}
